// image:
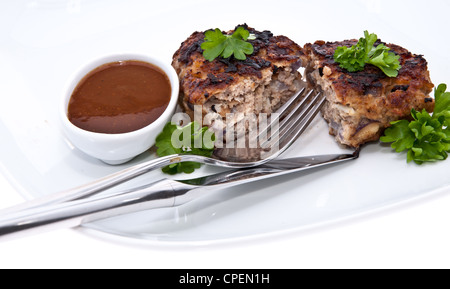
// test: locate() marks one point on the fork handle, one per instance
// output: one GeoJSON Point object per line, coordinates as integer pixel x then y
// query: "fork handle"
{"type": "Point", "coordinates": [160, 194]}
{"type": "Point", "coordinates": [99, 185]}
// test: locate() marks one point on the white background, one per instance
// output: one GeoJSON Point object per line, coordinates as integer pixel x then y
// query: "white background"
{"type": "Point", "coordinates": [411, 235]}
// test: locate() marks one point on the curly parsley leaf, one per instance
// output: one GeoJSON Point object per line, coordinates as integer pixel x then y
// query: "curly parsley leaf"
{"type": "Point", "coordinates": [401, 137]}
{"type": "Point", "coordinates": [442, 106]}
{"type": "Point", "coordinates": [364, 52]}
{"type": "Point", "coordinates": [427, 137]}
{"type": "Point", "coordinates": [190, 139]}
{"type": "Point", "coordinates": [219, 45]}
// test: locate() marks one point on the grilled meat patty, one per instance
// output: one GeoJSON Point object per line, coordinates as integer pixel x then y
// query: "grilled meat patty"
{"type": "Point", "coordinates": [361, 105]}
{"type": "Point", "coordinates": [259, 84]}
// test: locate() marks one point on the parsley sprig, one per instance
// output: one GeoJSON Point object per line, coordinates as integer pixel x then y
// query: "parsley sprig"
{"type": "Point", "coordinates": [190, 139]}
{"type": "Point", "coordinates": [217, 44]}
{"type": "Point", "coordinates": [364, 52]}
{"type": "Point", "coordinates": [427, 137]}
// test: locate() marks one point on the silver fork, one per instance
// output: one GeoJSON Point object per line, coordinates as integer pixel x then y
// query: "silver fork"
{"type": "Point", "coordinates": [295, 117]}
{"type": "Point", "coordinates": [161, 194]}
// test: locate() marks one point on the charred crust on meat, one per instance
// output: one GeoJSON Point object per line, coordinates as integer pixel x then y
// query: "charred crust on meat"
{"type": "Point", "coordinates": [271, 55]}
{"type": "Point", "coordinates": [191, 46]}
{"type": "Point", "coordinates": [217, 79]}
{"type": "Point", "coordinates": [231, 67]}
{"type": "Point", "coordinates": [400, 87]}
{"type": "Point", "coordinates": [362, 104]}
{"type": "Point", "coordinates": [275, 69]}
{"type": "Point", "coordinates": [321, 71]}
{"type": "Point", "coordinates": [412, 76]}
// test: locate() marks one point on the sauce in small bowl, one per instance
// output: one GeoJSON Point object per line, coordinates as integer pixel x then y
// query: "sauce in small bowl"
{"type": "Point", "coordinates": [120, 97]}
{"type": "Point", "coordinates": [115, 106]}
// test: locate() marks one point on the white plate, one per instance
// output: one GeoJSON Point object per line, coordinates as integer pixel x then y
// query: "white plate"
{"type": "Point", "coordinates": [43, 41]}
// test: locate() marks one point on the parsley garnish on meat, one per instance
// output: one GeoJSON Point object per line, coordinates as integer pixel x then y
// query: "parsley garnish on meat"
{"type": "Point", "coordinates": [188, 140]}
{"type": "Point", "coordinates": [364, 52]}
{"type": "Point", "coordinates": [427, 137]}
{"type": "Point", "coordinates": [217, 44]}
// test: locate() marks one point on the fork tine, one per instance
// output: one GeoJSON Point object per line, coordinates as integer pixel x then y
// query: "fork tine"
{"type": "Point", "coordinates": [286, 123]}
{"type": "Point", "coordinates": [301, 122]}
{"type": "Point", "coordinates": [299, 114]}
{"type": "Point", "coordinates": [281, 111]}
{"type": "Point", "coordinates": [285, 107]}
{"type": "Point", "coordinates": [296, 114]}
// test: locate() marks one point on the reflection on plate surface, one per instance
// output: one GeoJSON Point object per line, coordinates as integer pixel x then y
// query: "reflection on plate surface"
{"type": "Point", "coordinates": [43, 43]}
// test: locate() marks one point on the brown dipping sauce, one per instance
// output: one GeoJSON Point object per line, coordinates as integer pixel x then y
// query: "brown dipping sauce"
{"type": "Point", "coordinates": [120, 97]}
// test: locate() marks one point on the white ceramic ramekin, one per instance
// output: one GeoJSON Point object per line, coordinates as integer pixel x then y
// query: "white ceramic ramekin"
{"type": "Point", "coordinates": [117, 148]}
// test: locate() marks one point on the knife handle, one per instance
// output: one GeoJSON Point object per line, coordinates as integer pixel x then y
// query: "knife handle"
{"type": "Point", "coordinates": [160, 194]}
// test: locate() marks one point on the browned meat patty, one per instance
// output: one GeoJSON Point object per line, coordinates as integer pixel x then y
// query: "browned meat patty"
{"type": "Point", "coordinates": [361, 105]}
{"type": "Point", "coordinates": [261, 83]}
